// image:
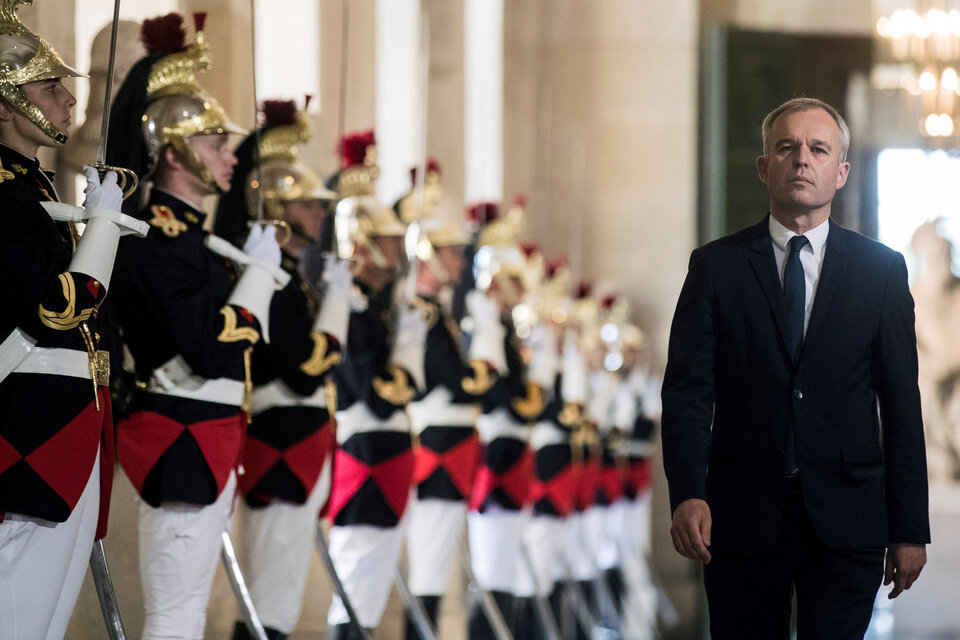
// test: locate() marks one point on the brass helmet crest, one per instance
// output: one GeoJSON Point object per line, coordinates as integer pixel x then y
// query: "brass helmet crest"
{"type": "Point", "coordinates": [26, 57]}
{"type": "Point", "coordinates": [177, 106]}
{"type": "Point", "coordinates": [282, 176]}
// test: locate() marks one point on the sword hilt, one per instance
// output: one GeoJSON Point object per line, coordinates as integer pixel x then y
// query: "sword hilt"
{"type": "Point", "coordinates": [281, 225]}
{"type": "Point", "coordinates": [127, 180]}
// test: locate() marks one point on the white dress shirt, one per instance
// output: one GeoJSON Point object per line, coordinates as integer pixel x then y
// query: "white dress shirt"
{"type": "Point", "coordinates": [811, 258]}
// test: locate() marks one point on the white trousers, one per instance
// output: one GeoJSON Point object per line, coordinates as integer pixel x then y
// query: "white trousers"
{"type": "Point", "coordinates": [433, 530]}
{"type": "Point", "coordinates": [365, 558]}
{"type": "Point", "coordinates": [495, 537]}
{"type": "Point", "coordinates": [42, 565]}
{"type": "Point", "coordinates": [640, 608]}
{"type": "Point", "coordinates": [579, 550]}
{"type": "Point", "coordinates": [543, 539]}
{"type": "Point", "coordinates": [280, 544]}
{"type": "Point", "coordinates": [179, 549]}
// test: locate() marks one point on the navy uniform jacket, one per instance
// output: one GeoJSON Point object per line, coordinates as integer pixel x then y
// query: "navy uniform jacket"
{"type": "Point", "coordinates": [171, 300]}
{"type": "Point", "coordinates": [507, 467]}
{"type": "Point", "coordinates": [49, 427]}
{"type": "Point", "coordinates": [445, 411]}
{"type": "Point", "coordinates": [289, 437]}
{"type": "Point", "coordinates": [554, 479]}
{"type": "Point", "coordinates": [373, 466]}
{"type": "Point", "coordinates": [731, 391]}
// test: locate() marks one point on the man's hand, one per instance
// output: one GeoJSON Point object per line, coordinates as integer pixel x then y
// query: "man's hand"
{"type": "Point", "coordinates": [903, 566]}
{"type": "Point", "coordinates": [691, 529]}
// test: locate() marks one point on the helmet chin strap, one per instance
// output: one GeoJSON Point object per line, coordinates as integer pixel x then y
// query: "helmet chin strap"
{"type": "Point", "coordinates": [194, 164]}
{"type": "Point", "coordinates": [18, 99]}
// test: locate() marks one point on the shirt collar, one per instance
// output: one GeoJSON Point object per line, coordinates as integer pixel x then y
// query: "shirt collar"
{"type": "Point", "coordinates": [817, 236]}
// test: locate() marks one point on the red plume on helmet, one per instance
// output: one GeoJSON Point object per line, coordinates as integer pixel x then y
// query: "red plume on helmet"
{"type": "Point", "coordinates": [483, 213]}
{"type": "Point", "coordinates": [607, 301]}
{"type": "Point", "coordinates": [432, 167]}
{"type": "Point", "coordinates": [556, 264]}
{"type": "Point", "coordinates": [278, 113]}
{"type": "Point", "coordinates": [164, 34]}
{"type": "Point", "coordinates": [529, 249]}
{"type": "Point", "coordinates": [353, 148]}
{"type": "Point", "coordinates": [520, 200]}
{"type": "Point", "coordinates": [583, 290]}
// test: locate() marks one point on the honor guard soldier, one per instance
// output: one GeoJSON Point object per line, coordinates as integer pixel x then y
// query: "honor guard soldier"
{"type": "Point", "coordinates": [380, 371]}
{"type": "Point", "coordinates": [444, 413]}
{"type": "Point", "coordinates": [188, 324]}
{"type": "Point", "coordinates": [553, 485]}
{"type": "Point", "coordinates": [509, 410]}
{"type": "Point", "coordinates": [56, 431]}
{"type": "Point", "coordinates": [638, 410]}
{"type": "Point", "coordinates": [289, 446]}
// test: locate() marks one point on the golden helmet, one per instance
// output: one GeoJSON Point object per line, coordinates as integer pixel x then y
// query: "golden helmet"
{"type": "Point", "coordinates": [498, 254]}
{"type": "Point", "coordinates": [177, 106]}
{"type": "Point", "coordinates": [281, 176]}
{"type": "Point", "coordinates": [26, 57]}
{"type": "Point", "coordinates": [406, 206]}
{"type": "Point", "coordinates": [360, 216]}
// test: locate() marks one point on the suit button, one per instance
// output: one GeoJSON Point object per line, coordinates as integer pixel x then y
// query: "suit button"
{"type": "Point", "coordinates": [798, 394]}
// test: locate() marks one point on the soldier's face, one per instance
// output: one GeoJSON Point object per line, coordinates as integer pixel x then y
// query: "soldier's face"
{"type": "Point", "coordinates": [54, 101]}
{"type": "Point", "coordinates": [452, 261]}
{"type": "Point", "coordinates": [306, 217]}
{"type": "Point", "coordinates": [216, 155]}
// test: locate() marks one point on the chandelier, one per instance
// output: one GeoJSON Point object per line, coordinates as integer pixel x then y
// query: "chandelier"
{"type": "Point", "coordinates": [921, 49]}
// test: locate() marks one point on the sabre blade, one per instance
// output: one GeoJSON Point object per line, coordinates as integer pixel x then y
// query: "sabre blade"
{"type": "Point", "coordinates": [239, 587]}
{"type": "Point", "coordinates": [105, 593]}
{"type": "Point", "coordinates": [108, 93]}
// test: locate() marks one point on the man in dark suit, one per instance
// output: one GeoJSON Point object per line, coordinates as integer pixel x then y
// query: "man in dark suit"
{"type": "Point", "coordinates": [792, 436]}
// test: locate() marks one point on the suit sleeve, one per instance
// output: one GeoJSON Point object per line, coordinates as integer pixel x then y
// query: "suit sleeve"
{"type": "Point", "coordinates": [688, 387]}
{"type": "Point", "coordinates": [902, 424]}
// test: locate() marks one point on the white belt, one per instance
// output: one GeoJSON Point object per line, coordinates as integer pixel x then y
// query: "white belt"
{"type": "Point", "coordinates": [500, 424]}
{"type": "Point", "coordinates": [57, 362]}
{"type": "Point", "coordinates": [13, 350]}
{"type": "Point", "coordinates": [438, 408]}
{"type": "Point", "coordinates": [358, 418]}
{"type": "Point", "coordinates": [545, 433]}
{"type": "Point", "coordinates": [175, 378]}
{"type": "Point", "coordinates": [278, 394]}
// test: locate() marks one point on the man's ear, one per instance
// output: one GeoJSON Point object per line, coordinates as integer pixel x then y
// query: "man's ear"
{"type": "Point", "coordinates": [762, 168]}
{"type": "Point", "coordinates": [7, 112]}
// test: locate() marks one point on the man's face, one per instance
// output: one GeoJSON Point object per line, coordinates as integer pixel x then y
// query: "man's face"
{"type": "Point", "coordinates": [391, 247]}
{"type": "Point", "coordinates": [54, 101]}
{"type": "Point", "coordinates": [801, 167]}
{"type": "Point", "coordinates": [452, 261]}
{"type": "Point", "coordinates": [216, 155]}
{"type": "Point", "coordinates": [306, 217]}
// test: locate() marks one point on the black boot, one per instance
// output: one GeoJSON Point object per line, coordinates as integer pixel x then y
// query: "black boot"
{"type": "Point", "coordinates": [344, 632]}
{"type": "Point", "coordinates": [615, 584]}
{"type": "Point", "coordinates": [240, 632]}
{"type": "Point", "coordinates": [527, 624]}
{"type": "Point", "coordinates": [431, 605]}
{"type": "Point", "coordinates": [479, 627]}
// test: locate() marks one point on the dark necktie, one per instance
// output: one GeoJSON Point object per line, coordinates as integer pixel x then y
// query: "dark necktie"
{"type": "Point", "coordinates": [794, 298]}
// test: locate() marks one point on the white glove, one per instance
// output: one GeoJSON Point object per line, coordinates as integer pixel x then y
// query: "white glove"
{"type": "Point", "coordinates": [334, 316]}
{"type": "Point", "coordinates": [262, 244]}
{"type": "Point", "coordinates": [102, 195]}
{"type": "Point", "coordinates": [336, 273]}
{"type": "Point", "coordinates": [545, 360]}
{"type": "Point", "coordinates": [411, 339]}
{"type": "Point", "coordinates": [487, 343]}
{"type": "Point", "coordinates": [574, 369]}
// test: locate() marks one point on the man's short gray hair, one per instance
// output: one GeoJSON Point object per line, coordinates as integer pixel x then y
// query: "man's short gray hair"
{"type": "Point", "coordinates": [807, 104]}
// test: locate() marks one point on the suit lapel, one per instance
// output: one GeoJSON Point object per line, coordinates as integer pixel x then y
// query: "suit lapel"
{"type": "Point", "coordinates": [830, 276]}
{"type": "Point", "coordinates": [765, 268]}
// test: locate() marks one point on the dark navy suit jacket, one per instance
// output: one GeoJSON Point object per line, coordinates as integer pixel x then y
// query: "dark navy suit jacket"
{"type": "Point", "coordinates": [731, 390]}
